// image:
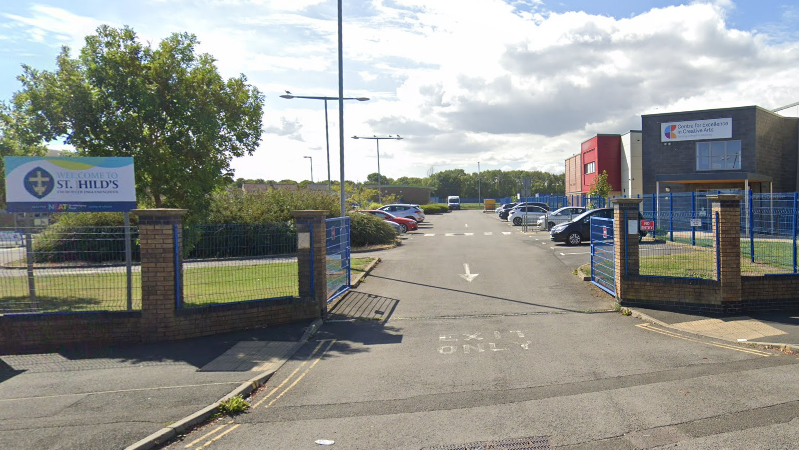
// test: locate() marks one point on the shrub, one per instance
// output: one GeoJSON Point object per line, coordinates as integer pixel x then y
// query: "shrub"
{"type": "Point", "coordinates": [233, 406]}
{"type": "Point", "coordinates": [86, 238]}
{"type": "Point", "coordinates": [435, 208]}
{"type": "Point", "coordinates": [366, 229]}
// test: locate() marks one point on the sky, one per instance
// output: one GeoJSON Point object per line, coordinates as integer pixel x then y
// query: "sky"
{"type": "Point", "coordinates": [506, 84]}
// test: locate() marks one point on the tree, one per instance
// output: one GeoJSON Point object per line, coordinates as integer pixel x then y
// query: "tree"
{"type": "Point", "coordinates": [167, 107]}
{"type": "Point", "coordinates": [600, 187]}
{"type": "Point", "coordinates": [15, 141]}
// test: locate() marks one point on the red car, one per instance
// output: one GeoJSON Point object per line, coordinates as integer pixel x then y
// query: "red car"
{"type": "Point", "coordinates": [405, 224]}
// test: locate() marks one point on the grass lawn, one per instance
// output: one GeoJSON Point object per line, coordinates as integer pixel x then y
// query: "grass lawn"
{"type": "Point", "coordinates": [107, 291]}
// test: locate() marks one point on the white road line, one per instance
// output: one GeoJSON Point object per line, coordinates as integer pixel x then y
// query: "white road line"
{"type": "Point", "coordinates": [449, 234]}
{"type": "Point", "coordinates": [581, 253]}
{"type": "Point", "coordinates": [543, 243]}
{"type": "Point", "coordinates": [467, 225]}
{"type": "Point", "coordinates": [489, 233]}
{"type": "Point", "coordinates": [506, 232]}
{"type": "Point", "coordinates": [468, 234]}
{"type": "Point", "coordinates": [430, 234]}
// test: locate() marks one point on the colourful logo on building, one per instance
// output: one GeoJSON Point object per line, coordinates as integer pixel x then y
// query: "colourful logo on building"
{"type": "Point", "coordinates": [39, 182]}
{"type": "Point", "coordinates": [669, 132]}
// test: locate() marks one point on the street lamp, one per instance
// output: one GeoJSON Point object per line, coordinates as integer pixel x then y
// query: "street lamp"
{"type": "Point", "coordinates": [327, 135]}
{"type": "Point", "coordinates": [379, 178]}
{"type": "Point", "coordinates": [311, 158]}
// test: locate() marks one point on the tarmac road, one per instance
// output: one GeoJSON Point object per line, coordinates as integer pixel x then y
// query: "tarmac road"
{"type": "Point", "coordinates": [419, 356]}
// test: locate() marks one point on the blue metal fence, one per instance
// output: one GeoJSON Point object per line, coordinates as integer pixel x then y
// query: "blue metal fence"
{"type": "Point", "coordinates": [603, 261]}
{"type": "Point", "coordinates": [338, 256]}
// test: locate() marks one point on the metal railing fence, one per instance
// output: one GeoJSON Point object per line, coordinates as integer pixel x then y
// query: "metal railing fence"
{"type": "Point", "coordinates": [337, 241]}
{"type": "Point", "coordinates": [69, 269]}
{"type": "Point", "coordinates": [684, 251]}
{"type": "Point", "coordinates": [228, 263]}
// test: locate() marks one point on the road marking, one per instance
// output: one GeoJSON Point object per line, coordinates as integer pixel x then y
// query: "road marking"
{"type": "Point", "coordinates": [467, 225]}
{"type": "Point", "coordinates": [506, 232]}
{"type": "Point", "coordinates": [489, 233]}
{"type": "Point", "coordinates": [290, 376]}
{"type": "Point", "coordinates": [751, 351]}
{"type": "Point", "coordinates": [191, 444]}
{"type": "Point", "coordinates": [468, 234]}
{"type": "Point", "coordinates": [430, 234]}
{"type": "Point", "coordinates": [543, 243]}
{"type": "Point", "coordinates": [574, 253]}
{"type": "Point", "coordinates": [221, 435]}
{"type": "Point", "coordinates": [291, 386]}
{"type": "Point", "coordinates": [449, 234]}
{"type": "Point", "coordinates": [468, 276]}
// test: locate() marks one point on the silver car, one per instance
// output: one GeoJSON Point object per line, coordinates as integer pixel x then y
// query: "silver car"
{"type": "Point", "coordinates": [406, 210]}
{"type": "Point", "coordinates": [562, 215]}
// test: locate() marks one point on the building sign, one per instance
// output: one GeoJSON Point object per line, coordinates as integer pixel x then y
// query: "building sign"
{"type": "Point", "coordinates": [693, 130]}
{"type": "Point", "coordinates": [647, 225]}
{"type": "Point", "coordinates": [35, 184]}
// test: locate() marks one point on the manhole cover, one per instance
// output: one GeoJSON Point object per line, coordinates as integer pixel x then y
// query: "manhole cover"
{"type": "Point", "coordinates": [528, 443]}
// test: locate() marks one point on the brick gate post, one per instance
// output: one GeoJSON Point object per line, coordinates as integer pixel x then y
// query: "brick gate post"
{"type": "Point", "coordinates": [625, 239]}
{"type": "Point", "coordinates": [161, 270]}
{"type": "Point", "coordinates": [312, 256]}
{"type": "Point", "coordinates": [727, 233]}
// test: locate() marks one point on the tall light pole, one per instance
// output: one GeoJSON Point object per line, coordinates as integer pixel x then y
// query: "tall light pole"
{"type": "Point", "coordinates": [327, 135]}
{"type": "Point", "coordinates": [379, 177]}
{"type": "Point", "coordinates": [311, 158]}
{"type": "Point", "coordinates": [479, 195]}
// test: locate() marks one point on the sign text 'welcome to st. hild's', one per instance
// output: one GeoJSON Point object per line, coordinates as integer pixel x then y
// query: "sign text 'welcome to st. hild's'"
{"type": "Point", "coordinates": [69, 184]}
{"type": "Point", "coordinates": [693, 130]}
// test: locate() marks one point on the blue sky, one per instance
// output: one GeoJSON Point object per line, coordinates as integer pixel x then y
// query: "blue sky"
{"type": "Point", "coordinates": [512, 84]}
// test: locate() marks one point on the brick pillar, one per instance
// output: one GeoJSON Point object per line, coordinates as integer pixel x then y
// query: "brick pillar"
{"type": "Point", "coordinates": [728, 253]}
{"type": "Point", "coordinates": [625, 239]}
{"type": "Point", "coordinates": [312, 257]}
{"type": "Point", "coordinates": [158, 275]}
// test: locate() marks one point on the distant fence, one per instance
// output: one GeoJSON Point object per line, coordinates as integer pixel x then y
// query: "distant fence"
{"type": "Point", "coordinates": [69, 270]}
{"type": "Point", "coordinates": [228, 263]}
{"type": "Point", "coordinates": [554, 201]}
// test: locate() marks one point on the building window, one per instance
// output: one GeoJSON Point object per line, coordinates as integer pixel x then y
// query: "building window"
{"type": "Point", "coordinates": [590, 168]}
{"type": "Point", "coordinates": [718, 155]}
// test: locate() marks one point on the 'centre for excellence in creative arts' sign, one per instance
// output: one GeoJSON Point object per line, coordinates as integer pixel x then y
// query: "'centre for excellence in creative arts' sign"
{"type": "Point", "coordinates": [69, 184]}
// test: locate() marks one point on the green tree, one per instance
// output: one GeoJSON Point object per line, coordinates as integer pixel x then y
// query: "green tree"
{"type": "Point", "coordinates": [15, 140]}
{"type": "Point", "coordinates": [167, 107]}
{"type": "Point", "coordinates": [600, 188]}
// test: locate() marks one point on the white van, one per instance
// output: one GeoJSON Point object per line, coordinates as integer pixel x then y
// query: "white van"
{"type": "Point", "coordinates": [453, 202]}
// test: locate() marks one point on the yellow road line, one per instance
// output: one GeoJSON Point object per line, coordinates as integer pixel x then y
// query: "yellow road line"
{"type": "Point", "coordinates": [191, 444]}
{"type": "Point", "coordinates": [319, 358]}
{"type": "Point", "coordinates": [221, 435]}
{"type": "Point", "coordinates": [290, 375]}
{"type": "Point", "coordinates": [648, 327]}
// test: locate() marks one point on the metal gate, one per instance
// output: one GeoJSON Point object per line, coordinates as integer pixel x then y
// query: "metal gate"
{"type": "Point", "coordinates": [338, 256]}
{"type": "Point", "coordinates": [603, 261]}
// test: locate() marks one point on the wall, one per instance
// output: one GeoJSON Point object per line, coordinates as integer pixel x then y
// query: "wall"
{"type": "Point", "coordinates": [588, 154]}
{"type": "Point", "coordinates": [680, 157]}
{"type": "Point", "coordinates": [574, 175]}
{"type": "Point", "coordinates": [609, 159]}
{"type": "Point", "coordinates": [631, 170]}
{"type": "Point", "coordinates": [776, 140]}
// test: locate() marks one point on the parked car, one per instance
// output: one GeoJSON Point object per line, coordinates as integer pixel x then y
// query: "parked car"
{"type": "Point", "coordinates": [453, 202]}
{"type": "Point", "coordinates": [406, 210]}
{"type": "Point", "coordinates": [562, 215]}
{"type": "Point", "coordinates": [579, 230]}
{"type": "Point", "coordinates": [405, 224]}
{"type": "Point", "coordinates": [506, 207]}
{"type": "Point", "coordinates": [505, 213]}
{"type": "Point", "coordinates": [522, 214]}
{"type": "Point", "coordinates": [397, 227]}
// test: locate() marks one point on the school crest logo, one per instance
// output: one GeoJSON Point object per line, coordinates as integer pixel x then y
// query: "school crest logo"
{"type": "Point", "coordinates": [670, 132]}
{"type": "Point", "coordinates": [39, 183]}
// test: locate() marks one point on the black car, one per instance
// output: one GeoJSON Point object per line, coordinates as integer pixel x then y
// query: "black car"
{"type": "Point", "coordinates": [503, 213]}
{"type": "Point", "coordinates": [579, 230]}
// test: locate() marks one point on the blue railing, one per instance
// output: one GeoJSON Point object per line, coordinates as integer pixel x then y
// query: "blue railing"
{"type": "Point", "coordinates": [338, 256]}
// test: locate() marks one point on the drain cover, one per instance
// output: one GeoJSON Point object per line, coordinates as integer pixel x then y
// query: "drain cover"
{"type": "Point", "coordinates": [528, 443]}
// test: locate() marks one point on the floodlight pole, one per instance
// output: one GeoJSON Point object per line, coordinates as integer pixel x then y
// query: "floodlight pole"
{"type": "Point", "coordinates": [379, 177]}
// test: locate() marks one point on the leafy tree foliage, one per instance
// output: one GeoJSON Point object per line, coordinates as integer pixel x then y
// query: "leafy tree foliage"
{"type": "Point", "coordinates": [601, 187]}
{"type": "Point", "coordinates": [15, 140]}
{"type": "Point", "coordinates": [167, 107]}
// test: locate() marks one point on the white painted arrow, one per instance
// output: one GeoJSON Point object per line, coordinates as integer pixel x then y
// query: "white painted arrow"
{"type": "Point", "coordinates": [468, 276]}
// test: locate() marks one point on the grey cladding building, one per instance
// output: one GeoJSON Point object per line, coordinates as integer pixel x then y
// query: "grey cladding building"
{"type": "Point", "coordinates": [732, 148]}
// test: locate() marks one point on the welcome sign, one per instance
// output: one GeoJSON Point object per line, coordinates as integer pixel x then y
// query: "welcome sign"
{"type": "Point", "coordinates": [60, 184]}
{"type": "Point", "coordinates": [696, 129]}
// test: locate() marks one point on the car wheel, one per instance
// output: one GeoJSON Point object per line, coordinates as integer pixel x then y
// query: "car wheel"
{"type": "Point", "coordinates": [574, 239]}
{"type": "Point", "coordinates": [517, 220]}
{"type": "Point", "coordinates": [403, 227]}
{"type": "Point", "coordinates": [550, 225]}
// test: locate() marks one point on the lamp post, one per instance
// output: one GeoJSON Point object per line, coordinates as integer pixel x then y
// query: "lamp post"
{"type": "Point", "coordinates": [327, 135]}
{"type": "Point", "coordinates": [379, 177]}
{"type": "Point", "coordinates": [311, 158]}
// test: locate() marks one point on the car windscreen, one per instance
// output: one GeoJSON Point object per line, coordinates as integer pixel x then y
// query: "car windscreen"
{"type": "Point", "coordinates": [584, 215]}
